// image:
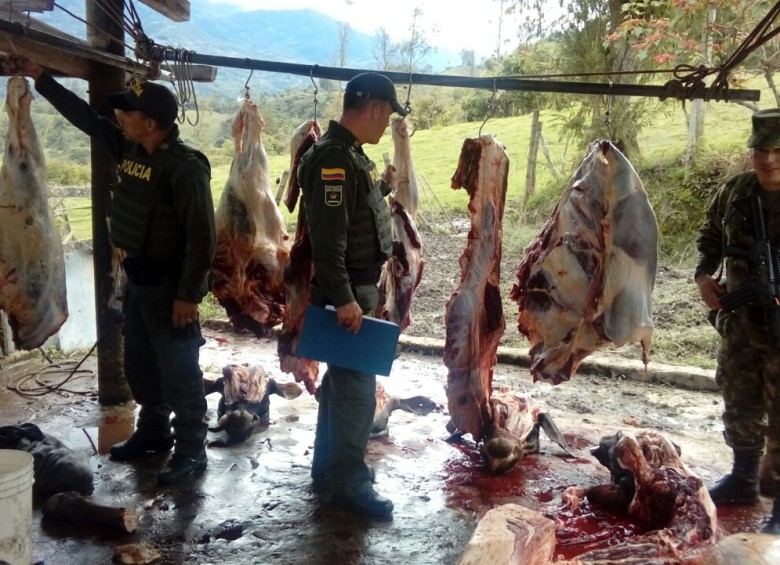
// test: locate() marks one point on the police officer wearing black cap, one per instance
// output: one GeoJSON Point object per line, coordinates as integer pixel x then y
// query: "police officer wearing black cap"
{"type": "Point", "coordinates": [162, 220]}
{"type": "Point", "coordinates": [349, 226]}
{"type": "Point", "coordinates": [748, 372]}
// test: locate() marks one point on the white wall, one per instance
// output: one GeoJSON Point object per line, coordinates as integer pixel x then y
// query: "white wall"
{"type": "Point", "coordinates": [80, 329]}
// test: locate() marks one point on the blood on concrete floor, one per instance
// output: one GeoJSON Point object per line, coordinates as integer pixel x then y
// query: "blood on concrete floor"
{"type": "Point", "coordinates": [254, 504]}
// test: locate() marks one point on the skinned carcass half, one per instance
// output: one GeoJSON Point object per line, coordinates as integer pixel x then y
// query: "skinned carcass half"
{"type": "Point", "coordinates": [252, 247]}
{"type": "Point", "coordinates": [402, 272]}
{"type": "Point", "coordinates": [587, 278]}
{"type": "Point", "coordinates": [474, 318]}
{"type": "Point", "coordinates": [32, 265]}
{"type": "Point", "coordinates": [299, 271]}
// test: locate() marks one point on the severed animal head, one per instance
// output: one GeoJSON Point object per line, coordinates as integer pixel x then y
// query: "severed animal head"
{"type": "Point", "coordinates": [514, 431]}
{"type": "Point", "coordinates": [655, 452]}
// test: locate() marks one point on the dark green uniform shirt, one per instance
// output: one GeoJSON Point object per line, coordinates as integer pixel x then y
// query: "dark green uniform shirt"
{"type": "Point", "coordinates": [162, 208]}
{"type": "Point", "coordinates": [348, 217]}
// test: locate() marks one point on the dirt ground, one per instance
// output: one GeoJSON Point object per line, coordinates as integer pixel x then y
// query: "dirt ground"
{"type": "Point", "coordinates": [253, 504]}
{"type": "Point", "coordinates": [681, 329]}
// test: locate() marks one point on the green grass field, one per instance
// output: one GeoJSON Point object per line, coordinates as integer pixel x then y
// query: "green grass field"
{"type": "Point", "coordinates": [436, 152]}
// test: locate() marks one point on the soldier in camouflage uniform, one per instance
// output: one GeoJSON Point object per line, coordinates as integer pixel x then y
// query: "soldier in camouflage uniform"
{"type": "Point", "coordinates": [162, 219]}
{"type": "Point", "coordinates": [748, 372]}
{"type": "Point", "coordinates": [349, 226]}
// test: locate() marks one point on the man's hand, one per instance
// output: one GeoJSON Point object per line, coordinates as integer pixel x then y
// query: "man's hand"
{"type": "Point", "coordinates": [391, 177]}
{"type": "Point", "coordinates": [184, 313]}
{"type": "Point", "coordinates": [710, 291]}
{"type": "Point", "coordinates": [351, 316]}
{"type": "Point", "coordinates": [19, 64]}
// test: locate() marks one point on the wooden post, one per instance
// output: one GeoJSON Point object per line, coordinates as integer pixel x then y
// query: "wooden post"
{"type": "Point", "coordinates": [7, 343]}
{"type": "Point", "coordinates": [546, 152]}
{"type": "Point", "coordinates": [112, 385]}
{"type": "Point", "coordinates": [533, 151]}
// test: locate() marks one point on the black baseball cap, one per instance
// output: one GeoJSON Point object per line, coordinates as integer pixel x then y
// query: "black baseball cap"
{"type": "Point", "coordinates": [154, 100]}
{"type": "Point", "coordinates": [373, 86]}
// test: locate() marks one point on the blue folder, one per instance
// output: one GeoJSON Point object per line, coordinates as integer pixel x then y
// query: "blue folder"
{"type": "Point", "coordinates": [371, 350]}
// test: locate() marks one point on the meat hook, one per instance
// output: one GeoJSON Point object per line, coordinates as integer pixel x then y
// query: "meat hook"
{"type": "Point", "coordinates": [246, 84]}
{"type": "Point", "coordinates": [490, 108]}
{"type": "Point", "coordinates": [408, 103]}
{"type": "Point", "coordinates": [316, 90]}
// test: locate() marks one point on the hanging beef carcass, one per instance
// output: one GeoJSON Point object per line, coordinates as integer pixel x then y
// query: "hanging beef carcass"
{"type": "Point", "coordinates": [586, 279]}
{"type": "Point", "coordinates": [401, 273]}
{"type": "Point", "coordinates": [298, 274]}
{"type": "Point", "coordinates": [32, 265]}
{"type": "Point", "coordinates": [252, 247]}
{"type": "Point", "coordinates": [474, 317]}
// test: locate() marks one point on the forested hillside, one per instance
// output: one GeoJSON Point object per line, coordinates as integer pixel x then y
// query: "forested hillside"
{"type": "Point", "coordinates": [682, 150]}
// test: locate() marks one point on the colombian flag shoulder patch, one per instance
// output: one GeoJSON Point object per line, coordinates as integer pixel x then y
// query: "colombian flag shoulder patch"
{"type": "Point", "coordinates": [332, 174]}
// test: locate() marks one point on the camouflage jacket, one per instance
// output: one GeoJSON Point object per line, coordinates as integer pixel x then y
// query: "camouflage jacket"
{"type": "Point", "coordinates": [726, 226]}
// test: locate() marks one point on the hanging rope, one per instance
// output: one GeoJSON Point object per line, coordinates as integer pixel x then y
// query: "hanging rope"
{"type": "Point", "coordinates": [111, 14]}
{"type": "Point", "coordinates": [760, 35]}
{"type": "Point", "coordinates": [183, 85]}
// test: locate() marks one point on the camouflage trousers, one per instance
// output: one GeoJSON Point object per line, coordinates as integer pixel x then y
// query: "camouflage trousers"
{"type": "Point", "coordinates": [748, 375]}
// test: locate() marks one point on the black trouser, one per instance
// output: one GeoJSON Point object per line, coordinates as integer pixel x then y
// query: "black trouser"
{"type": "Point", "coordinates": [347, 402]}
{"type": "Point", "coordinates": [161, 366]}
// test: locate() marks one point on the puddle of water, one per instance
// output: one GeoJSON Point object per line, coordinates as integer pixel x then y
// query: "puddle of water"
{"type": "Point", "coordinates": [112, 429]}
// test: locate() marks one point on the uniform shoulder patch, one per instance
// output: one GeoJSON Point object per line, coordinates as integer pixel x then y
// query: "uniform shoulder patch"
{"type": "Point", "coordinates": [333, 195]}
{"type": "Point", "coordinates": [333, 174]}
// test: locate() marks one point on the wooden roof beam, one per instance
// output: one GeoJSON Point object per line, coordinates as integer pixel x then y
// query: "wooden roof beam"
{"type": "Point", "coordinates": [176, 10]}
{"type": "Point", "coordinates": [26, 6]}
{"type": "Point", "coordinates": [70, 57]}
{"type": "Point", "coordinates": [61, 62]}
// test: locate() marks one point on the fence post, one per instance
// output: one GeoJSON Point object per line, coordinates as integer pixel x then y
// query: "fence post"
{"type": "Point", "coordinates": [533, 151]}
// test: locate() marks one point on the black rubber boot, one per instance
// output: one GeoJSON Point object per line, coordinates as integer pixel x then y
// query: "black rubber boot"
{"type": "Point", "coordinates": [182, 468]}
{"type": "Point", "coordinates": [139, 446]}
{"type": "Point", "coordinates": [773, 525]}
{"type": "Point", "coordinates": [740, 487]}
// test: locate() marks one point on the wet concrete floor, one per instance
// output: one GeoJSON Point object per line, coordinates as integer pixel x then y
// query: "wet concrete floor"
{"type": "Point", "coordinates": [254, 505]}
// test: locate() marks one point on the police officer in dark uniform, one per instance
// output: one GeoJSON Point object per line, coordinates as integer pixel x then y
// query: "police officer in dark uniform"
{"type": "Point", "coordinates": [349, 225]}
{"type": "Point", "coordinates": [162, 219]}
{"type": "Point", "coordinates": [748, 370]}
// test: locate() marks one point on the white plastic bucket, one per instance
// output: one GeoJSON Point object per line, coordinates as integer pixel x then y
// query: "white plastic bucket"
{"type": "Point", "coordinates": [16, 479]}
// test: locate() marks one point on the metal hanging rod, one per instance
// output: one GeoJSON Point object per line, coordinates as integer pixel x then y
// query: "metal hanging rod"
{"type": "Point", "coordinates": [678, 89]}
{"type": "Point", "coordinates": [672, 89]}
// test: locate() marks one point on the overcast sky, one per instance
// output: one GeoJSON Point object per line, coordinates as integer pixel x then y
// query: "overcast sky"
{"type": "Point", "coordinates": [451, 24]}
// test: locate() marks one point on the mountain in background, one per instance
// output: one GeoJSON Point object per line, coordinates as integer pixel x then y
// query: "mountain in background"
{"type": "Point", "coordinates": [290, 36]}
